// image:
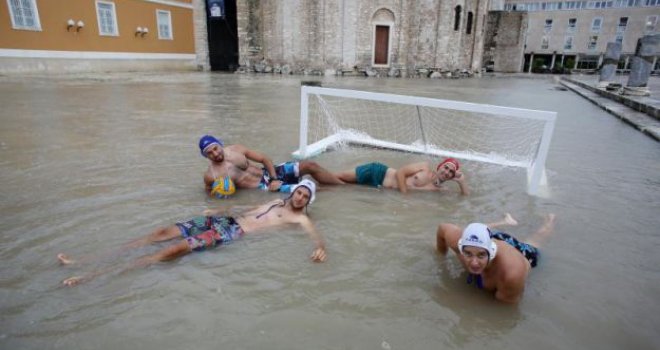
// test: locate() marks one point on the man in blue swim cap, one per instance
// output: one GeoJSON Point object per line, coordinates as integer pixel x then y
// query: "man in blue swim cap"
{"type": "Point", "coordinates": [236, 161]}
{"type": "Point", "coordinates": [495, 261]}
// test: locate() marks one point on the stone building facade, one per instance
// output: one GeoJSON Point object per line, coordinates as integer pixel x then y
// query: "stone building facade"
{"type": "Point", "coordinates": [396, 36]}
{"type": "Point", "coordinates": [504, 42]}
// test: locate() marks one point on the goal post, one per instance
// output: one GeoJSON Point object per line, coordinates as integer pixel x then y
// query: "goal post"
{"type": "Point", "coordinates": [500, 135]}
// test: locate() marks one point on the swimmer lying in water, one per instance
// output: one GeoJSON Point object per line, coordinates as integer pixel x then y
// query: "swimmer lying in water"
{"type": "Point", "coordinates": [236, 160]}
{"type": "Point", "coordinates": [495, 260]}
{"type": "Point", "coordinates": [209, 231]}
{"type": "Point", "coordinates": [413, 176]}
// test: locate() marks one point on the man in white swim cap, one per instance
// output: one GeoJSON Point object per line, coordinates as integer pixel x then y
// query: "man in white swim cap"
{"type": "Point", "coordinates": [495, 261]}
{"type": "Point", "coordinates": [221, 227]}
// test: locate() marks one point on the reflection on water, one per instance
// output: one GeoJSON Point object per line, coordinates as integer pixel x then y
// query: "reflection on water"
{"type": "Point", "coordinates": [90, 162]}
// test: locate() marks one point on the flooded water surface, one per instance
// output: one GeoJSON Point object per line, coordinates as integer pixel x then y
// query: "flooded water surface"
{"type": "Point", "coordinates": [88, 163]}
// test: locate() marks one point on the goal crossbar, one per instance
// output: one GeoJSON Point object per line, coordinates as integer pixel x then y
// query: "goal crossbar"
{"type": "Point", "coordinates": [535, 167]}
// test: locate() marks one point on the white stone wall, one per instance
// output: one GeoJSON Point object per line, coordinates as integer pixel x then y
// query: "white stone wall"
{"type": "Point", "coordinates": [332, 34]}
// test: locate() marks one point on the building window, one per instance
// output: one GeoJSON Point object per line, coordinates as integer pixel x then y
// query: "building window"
{"type": "Point", "coordinates": [572, 24]}
{"type": "Point", "coordinates": [568, 43]}
{"type": "Point", "coordinates": [652, 2]}
{"type": "Point", "coordinates": [107, 18]}
{"type": "Point", "coordinates": [623, 23]}
{"type": "Point", "coordinates": [24, 14]}
{"type": "Point", "coordinates": [596, 24]}
{"type": "Point", "coordinates": [593, 41]}
{"type": "Point", "coordinates": [545, 43]}
{"type": "Point", "coordinates": [468, 29]}
{"type": "Point", "coordinates": [548, 25]}
{"type": "Point", "coordinates": [164, 19]}
{"type": "Point", "coordinates": [619, 39]}
{"type": "Point", "coordinates": [457, 17]}
{"type": "Point", "coordinates": [650, 23]}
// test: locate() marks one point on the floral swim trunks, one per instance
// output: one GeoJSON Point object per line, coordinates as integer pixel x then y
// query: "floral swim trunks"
{"type": "Point", "coordinates": [203, 232]}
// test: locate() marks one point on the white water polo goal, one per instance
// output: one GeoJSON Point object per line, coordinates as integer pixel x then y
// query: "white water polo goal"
{"type": "Point", "coordinates": [330, 118]}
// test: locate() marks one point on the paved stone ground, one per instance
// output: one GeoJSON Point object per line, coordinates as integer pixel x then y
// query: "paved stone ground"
{"type": "Point", "coordinates": [584, 85]}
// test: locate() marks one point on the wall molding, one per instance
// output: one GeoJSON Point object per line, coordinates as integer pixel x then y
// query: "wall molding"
{"type": "Point", "coordinates": [94, 55]}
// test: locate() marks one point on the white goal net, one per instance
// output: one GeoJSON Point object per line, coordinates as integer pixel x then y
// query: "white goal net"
{"type": "Point", "coordinates": [493, 134]}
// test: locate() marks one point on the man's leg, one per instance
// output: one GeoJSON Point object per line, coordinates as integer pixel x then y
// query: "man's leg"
{"type": "Point", "coordinates": [158, 235]}
{"type": "Point", "coordinates": [508, 220]}
{"type": "Point", "coordinates": [543, 232]}
{"type": "Point", "coordinates": [170, 253]}
{"type": "Point", "coordinates": [347, 176]}
{"type": "Point", "coordinates": [319, 173]}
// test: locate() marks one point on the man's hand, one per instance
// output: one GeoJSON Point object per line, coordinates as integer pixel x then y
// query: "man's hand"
{"type": "Point", "coordinates": [459, 177]}
{"type": "Point", "coordinates": [274, 185]}
{"type": "Point", "coordinates": [318, 255]}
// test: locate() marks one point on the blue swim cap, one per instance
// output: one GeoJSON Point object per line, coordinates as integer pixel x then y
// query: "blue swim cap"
{"type": "Point", "coordinates": [206, 141]}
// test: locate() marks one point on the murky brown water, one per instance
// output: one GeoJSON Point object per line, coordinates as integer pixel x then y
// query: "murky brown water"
{"type": "Point", "coordinates": [90, 162]}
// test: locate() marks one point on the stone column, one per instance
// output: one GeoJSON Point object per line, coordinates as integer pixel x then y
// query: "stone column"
{"type": "Point", "coordinates": [552, 63]}
{"type": "Point", "coordinates": [648, 47]}
{"type": "Point", "coordinates": [531, 62]}
{"type": "Point", "coordinates": [577, 60]}
{"type": "Point", "coordinates": [200, 35]}
{"type": "Point", "coordinates": [608, 69]}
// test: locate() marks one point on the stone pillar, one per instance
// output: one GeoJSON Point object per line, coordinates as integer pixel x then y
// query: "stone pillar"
{"type": "Point", "coordinates": [611, 60]}
{"type": "Point", "coordinates": [626, 64]}
{"type": "Point", "coordinates": [200, 35]}
{"type": "Point", "coordinates": [577, 59]}
{"type": "Point", "coordinates": [648, 47]}
{"type": "Point", "coordinates": [531, 62]}
{"type": "Point", "coordinates": [552, 64]}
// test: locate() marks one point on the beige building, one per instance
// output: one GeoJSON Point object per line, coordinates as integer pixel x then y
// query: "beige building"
{"type": "Point", "coordinates": [95, 35]}
{"type": "Point", "coordinates": [574, 34]}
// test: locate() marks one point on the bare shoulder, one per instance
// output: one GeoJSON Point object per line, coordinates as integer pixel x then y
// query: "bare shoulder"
{"type": "Point", "coordinates": [237, 148]}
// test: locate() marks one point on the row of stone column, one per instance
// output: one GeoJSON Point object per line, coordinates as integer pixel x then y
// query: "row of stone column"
{"type": "Point", "coordinates": [646, 52]}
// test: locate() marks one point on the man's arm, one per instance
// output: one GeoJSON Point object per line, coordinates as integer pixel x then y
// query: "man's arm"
{"type": "Point", "coordinates": [510, 289]}
{"type": "Point", "coordinates": [447, 237]}
{"type": "Point", "coordinates": [409, 170]}
{"type": "Point", "coordinates": [319, 254]}
{"type": "Point", "coordinates": [462, 183]}
{"type": "Point", "coordinates": [267, 163]}
{"type": "Point", "coordinates": [208, 182]}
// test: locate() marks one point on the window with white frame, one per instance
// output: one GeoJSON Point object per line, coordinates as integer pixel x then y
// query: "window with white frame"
{"type": "Point", "coordinates": [548, 25]}
{"type": "Point", "coordinates": [572, 24]}
{"type": "Point", "coordinates": [650, 23]}
{"type": "Point", "coordinates": [619, 39]}
{"type": "Point", "coordinates": [107, 18]}
{"type": "Point", "coordinates": [545, 43]}
{"type": "Point", "coordinates": [568, 43]}
{"type": "Point", "coordinates": [164, 25]}
{"type": "Point", "coordinates": [623, 23]}
{"type": "Point", "coordinates": [596, 24]}
{"type": "Point", "coordinates": [24, 14]}
{"type": "Point", "coordinates": [593, 42]}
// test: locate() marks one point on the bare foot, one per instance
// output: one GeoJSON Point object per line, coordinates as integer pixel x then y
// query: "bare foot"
{"type": "Point", "coordinates": [72, 281]}
{"type": "Point", "coordinates": [509, 220]}
{"type": "Point", "coordinates": [65, 260]}
{"type": "Point", "coordinates": [544, 231]}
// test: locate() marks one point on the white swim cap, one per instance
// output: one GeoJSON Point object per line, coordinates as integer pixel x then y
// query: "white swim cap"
{"type": "Point", "coordinates": [478, 235]}
{"type": "Point", "coordinates": [310, 185]}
